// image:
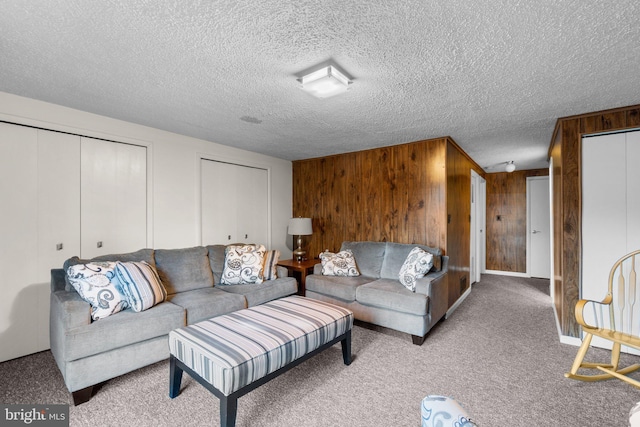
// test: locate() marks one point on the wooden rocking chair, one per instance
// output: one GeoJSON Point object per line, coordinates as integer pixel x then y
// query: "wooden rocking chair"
{"type": "Point", "coordinates": [616, 318]}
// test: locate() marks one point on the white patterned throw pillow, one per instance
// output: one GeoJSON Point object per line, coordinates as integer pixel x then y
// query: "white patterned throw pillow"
{"type": "Point", "coordinates": [141, 284]}
{"type": "Point", "coordinates": [96, 283]}
{"type": "Point", "coordinates": [339, 264]}
{"type": "Point", "coordinates": [243, 264]}
{"type": "Point", "coordinates": [415, 266]}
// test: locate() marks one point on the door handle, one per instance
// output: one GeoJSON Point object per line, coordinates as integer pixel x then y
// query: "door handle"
{"type": "Point", "coordinates": [536, 231]}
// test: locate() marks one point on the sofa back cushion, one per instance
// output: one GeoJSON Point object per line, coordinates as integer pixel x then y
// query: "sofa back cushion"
{"type": "Point", "coordinates": [184, 269]}
{"type": "Point", "coordinates": [216, 261]}
{"type": "Point", "coordinates": [145, 255]}
{"type": "Point", "coordinates": [396, 254]}
{"type": "Point", "coordinates": [369, 256]}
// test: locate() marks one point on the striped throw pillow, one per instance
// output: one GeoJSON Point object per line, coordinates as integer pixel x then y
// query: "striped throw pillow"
{"type": "Point", "coordinates": [269, 268]}
{"type": "Point", "coordinates": [141, 284]}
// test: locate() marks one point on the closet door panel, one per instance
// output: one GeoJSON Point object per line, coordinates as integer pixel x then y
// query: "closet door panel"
{"type": "Point", "coordinates": [633, 191]}
{"type": "Point", "coordinates": [252, 193]}
{"type": "Point", "coordinates": [603, 221]}
{"type": "Point", "coordinates": [58, 215]}
{"type": "Point", "coordinates": [130, 198]}
{"type": "Point", "coordinates": [58, 200]}
{"type": "Point", "coordinates": [113, 197]}
{"type": "Point", "coordinates": [219, 204]}
{"type": "Point", "coordinates": [19, 238]}
{"type": "Point", "coordinates": [234, 203]}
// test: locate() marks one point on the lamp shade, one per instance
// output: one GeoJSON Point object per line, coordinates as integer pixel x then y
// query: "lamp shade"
{"type": "Point", "coordinates": [300, 227]}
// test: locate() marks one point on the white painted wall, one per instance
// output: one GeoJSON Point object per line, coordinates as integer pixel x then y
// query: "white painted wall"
{"type": "Point", "coordinates": [173, 168]}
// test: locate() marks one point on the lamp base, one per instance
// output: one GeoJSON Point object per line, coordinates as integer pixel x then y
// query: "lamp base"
{"type": "Point", "coordinates": [300, 254]}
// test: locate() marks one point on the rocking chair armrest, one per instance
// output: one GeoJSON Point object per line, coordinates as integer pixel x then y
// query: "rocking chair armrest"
{"type": "Point", "coordinates": [580, 305]}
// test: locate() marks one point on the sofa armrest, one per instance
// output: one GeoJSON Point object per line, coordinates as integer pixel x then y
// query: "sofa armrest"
{"type": "Point", "coordinates": [282, 271]}
{"type": "Point", "coordinates": [68, 310]}
{"type": "Point", "coordinates": [435, 285]}
{"type": "Point", "coordinates": [58, 279]}
{"type": "Point", "coordinates": [317, 269]}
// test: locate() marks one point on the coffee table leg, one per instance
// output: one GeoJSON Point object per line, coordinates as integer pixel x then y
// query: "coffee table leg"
{"type": "Point", "coordinates": [175, 377]}
{"type": "Point", "coordinates": [346, 348]}
{"type": "Point", "coordinates": [228, 410]}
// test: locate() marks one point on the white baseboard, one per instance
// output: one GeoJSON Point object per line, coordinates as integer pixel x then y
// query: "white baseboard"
{"type": "Point", "coordinates": [458, 302]}
{"type": "Point", "coordinates": [505, 273]}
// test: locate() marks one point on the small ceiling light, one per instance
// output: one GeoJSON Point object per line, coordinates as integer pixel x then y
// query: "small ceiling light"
{"type": "Point", "coordinates": [510, 167]}
{"type": "Point", "coordinates": [325, 82]}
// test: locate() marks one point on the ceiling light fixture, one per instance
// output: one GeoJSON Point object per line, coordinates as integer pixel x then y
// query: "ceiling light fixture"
{"type": "Point", "coordinates": [325, 82]}
{"type": "Point", "coordinates": [510, 167]}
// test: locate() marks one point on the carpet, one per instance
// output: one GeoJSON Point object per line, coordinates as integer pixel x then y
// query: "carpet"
{"type": "Point", "coordinates": [498, 355]}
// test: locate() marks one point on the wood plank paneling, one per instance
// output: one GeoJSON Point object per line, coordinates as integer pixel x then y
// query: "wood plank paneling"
{"type": "Point", "coordinates": [566, 153]}
{"type": "Point", "coordinates": [375, 200]}
{"type": "Point", "coordinates": [458, 175]}
{"type": "Point", "coordinates": [556, 155]}
{"type": "Point", "coordinates": [398, 193]}
{"type": "Point", "coordinates": [507, 220]}
{"type": "Point", "coordinates": [602, 122]}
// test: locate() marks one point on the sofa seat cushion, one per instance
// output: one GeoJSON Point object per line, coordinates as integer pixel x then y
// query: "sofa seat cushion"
{"type": "Point", "coordinates": [392, 295]}
{"type": "Point", "coordinates": [122, 329]}
{"type": "Point", "coordinates": [201, 304]}
{"type": "Point", "coordinates": [266, 291]}
{"type": "Point", "coordinates": [340, 287]}
{"type": "Point", "coordinates": [184, 269]}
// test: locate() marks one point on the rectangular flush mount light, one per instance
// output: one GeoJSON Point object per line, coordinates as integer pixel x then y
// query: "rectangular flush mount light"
{"type": "Point", "coordinates": [325, 82]}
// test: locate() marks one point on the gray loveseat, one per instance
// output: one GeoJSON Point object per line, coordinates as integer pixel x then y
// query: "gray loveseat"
{"type": "Point", "coordinates": [378, 297]}
{"type": "Point", "coordinates": [90, 352]}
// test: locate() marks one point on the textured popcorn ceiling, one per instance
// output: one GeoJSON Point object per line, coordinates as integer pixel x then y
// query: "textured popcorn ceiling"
{"type": "Point", "coordinates": [493, 74]}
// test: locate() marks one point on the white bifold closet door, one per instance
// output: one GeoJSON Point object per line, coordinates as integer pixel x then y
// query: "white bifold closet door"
{"type": "Point", "coordinates": [39, 215]}
{"type": "Point", "coordinates": [113, 197]}
{"type": "Point", "coordinates": [610, 208]}
{"type": "Point", "coordinates": [234, 203]}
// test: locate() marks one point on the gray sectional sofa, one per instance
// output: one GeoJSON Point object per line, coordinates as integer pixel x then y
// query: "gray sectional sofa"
{"type": "Point", "coordinates": [376, 296]}
{"type": "Point", "coordinates": [90, 352]}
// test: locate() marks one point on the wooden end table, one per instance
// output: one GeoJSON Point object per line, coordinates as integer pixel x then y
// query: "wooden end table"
{"type": "Point", "coordinates": [301, 269]}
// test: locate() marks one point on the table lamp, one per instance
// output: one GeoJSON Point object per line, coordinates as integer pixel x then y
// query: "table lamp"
{"type": "Point", "coordinates": [300, 227]}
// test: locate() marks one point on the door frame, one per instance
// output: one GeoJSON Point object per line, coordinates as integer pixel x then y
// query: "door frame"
{"type": "Point", "coordinates": [478, 242]}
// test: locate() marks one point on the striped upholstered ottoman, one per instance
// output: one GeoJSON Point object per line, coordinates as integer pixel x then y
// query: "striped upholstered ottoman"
{"type": "Point", "coordinates": [235, 353]}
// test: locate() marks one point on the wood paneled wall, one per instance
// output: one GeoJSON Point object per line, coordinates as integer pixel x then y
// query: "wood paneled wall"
{"type": "Point", "coordinates": [507, 220]}
{"type": "Point", "coordinates": [403, 193]}
{"type": "Point", "coordinates": [565, 150]}
{"type": "Point", "coordinates": [458, 247]}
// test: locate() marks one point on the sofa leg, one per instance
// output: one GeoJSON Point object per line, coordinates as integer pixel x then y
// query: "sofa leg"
{"type": "Point", "coordinates": [82, 396]}
{"type": "Point", "coordinates": [417, 340]}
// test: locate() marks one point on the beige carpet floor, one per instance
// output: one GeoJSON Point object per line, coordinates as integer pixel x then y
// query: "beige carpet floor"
{"type": "Point", "coordinates": [498, 355]}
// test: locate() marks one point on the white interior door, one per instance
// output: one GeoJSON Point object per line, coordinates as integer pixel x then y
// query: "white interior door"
{"type": "Point", "coordinates": [539, 227]}
{"type": "Point", "coordinates": [477, 245]}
